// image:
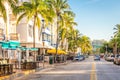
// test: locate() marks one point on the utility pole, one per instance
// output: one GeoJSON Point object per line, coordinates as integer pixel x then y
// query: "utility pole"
{"type": "Point", "coordinates": [106, 49]}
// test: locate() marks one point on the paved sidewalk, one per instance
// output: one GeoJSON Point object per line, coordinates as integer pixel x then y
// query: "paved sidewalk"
{"type": "Point", "coordinates": [20, 73]}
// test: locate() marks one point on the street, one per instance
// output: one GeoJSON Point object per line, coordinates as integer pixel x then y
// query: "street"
{"type": "Point", "coordinates": [82, 70]}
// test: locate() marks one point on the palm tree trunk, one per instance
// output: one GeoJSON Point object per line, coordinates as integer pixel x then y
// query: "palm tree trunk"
{"type": "Point", "coordinates": [115, 48]}
{"type": "Point", "coordinates": [62, 44]}
{"type": "Point", "coordinates": [57, 36]}
{"type": "Point", "coordinates": [34, 37]}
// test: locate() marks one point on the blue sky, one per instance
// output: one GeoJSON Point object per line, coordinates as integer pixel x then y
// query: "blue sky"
{"type": "Point", "coordinates": [96, 18]}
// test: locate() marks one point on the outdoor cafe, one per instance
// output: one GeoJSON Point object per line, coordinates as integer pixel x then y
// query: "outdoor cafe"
{"type": "Point", "coordinates": [59, 57]}
{"type": "Point", "coordinates": [12, 57]}
{"type": "Point", "coordinates": [6, 47]}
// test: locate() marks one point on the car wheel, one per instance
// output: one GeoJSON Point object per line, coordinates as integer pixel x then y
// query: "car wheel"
{"type": "Point", "coordinates": [117, 63]}
{"type": "Point", "coordinates": [114, 62]}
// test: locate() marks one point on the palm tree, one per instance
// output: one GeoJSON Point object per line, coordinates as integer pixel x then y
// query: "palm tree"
{"type": "Point", "coordinates": [117, 28]}
{"type": "Point", "coordinates": [85, 44]}
{"type": "Point", "coordinates": [59, 7]}
{"type": "Point", "coordinates": [73, 40]}
{"type": "Point", "coordinates": [68, 23]}
{"type": "Point", "coordinates": [114, 44]}
{"type": "Point", "coordinates": [3, 12]}
{"type": "Point", "coordinates": [32, 11]}
{"type": "Point", "coordinates": [116, 39]}
{"type": "Point", "coordinates": [4, 9]}
{"type": "Point", "coordinates": [37, 11]}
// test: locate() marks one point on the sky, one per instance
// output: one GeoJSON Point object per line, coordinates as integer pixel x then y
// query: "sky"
{"type": "Point", "coordinates": [96, 18]}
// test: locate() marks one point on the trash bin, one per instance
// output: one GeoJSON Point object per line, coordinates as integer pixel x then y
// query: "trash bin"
{"type": "Point", "coordinates": [50, 60]}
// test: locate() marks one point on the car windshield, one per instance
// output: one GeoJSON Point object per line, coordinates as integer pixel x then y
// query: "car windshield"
{"type": "Point", "coordinates": [112, 55]}
{"type": "Point", "coordinates": [118, 56]}
{"type": "Point", "coordinates": [97, 56]}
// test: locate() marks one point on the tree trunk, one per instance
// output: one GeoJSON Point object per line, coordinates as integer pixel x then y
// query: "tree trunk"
{"type": "Point", "coordinates": [57, 36]}
{"type": "Point", "coordinates": [115, 48]}
{"type": "Point", "coordinates": [62, 44]}
{"type": "Point", "coordinates": [34, 37]}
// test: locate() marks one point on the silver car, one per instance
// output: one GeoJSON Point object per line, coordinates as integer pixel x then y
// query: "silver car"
{"type": "Point", "coordinates": [78, 58]}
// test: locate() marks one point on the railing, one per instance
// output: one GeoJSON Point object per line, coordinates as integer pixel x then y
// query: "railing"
{"type": "Point", "coordinates": [14, 36]}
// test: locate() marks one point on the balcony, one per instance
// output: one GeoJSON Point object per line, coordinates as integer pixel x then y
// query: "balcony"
{"type": "Point", "coordinates": [14, 36]}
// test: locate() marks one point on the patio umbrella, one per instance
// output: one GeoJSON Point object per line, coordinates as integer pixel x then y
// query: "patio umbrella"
{"type": "Point", "coordinates": [53, 51]}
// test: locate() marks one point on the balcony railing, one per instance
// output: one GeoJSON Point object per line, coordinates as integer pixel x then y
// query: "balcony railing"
{"type": "Point", "coordinates": [14, 36]}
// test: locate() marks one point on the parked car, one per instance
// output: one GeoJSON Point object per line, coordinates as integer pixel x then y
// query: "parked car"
{"type": "Point", "coordinates": [97, 57]}
{"type": "Point", "coordinates": [79, 58]}
{"type": "Point", "coordinates": [110, 58]}
{"type": "Point", "coordinates": [86, 56]}
{"type": "Point", "coordinates": [117, 60]}
{"type": "Point", "coordinates": [101, 55]}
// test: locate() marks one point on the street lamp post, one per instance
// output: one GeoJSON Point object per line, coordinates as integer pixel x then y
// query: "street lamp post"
{"type": "Point", "coordinates": [106, 49]}
{"type": "Point", "coordinates": [43, 42]}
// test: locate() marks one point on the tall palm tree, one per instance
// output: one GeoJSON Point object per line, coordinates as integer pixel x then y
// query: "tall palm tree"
{"type": "Point", "coordinates": [35, 10]}
{"type": "Point", "coordinates": [117, 30]}
{"type": "Point", "coordinates": [59, 7]}
{"type": "Point", "coordinates": [32, 11]}
{"type": "Point", "coordinates": [68, 23]}
{"type": "Point", "coordinates": [12, 4]}
{"type": "Point", "coordinates": [114, 44]}
{"type": "Point", "coordinates": [116, 38]}
{"type": "Point", "coordinates": [4, 4]}
{"type": "Point", "coordinates": [85, 44]}
{"type": "Point", "coordinates": [73, 39]}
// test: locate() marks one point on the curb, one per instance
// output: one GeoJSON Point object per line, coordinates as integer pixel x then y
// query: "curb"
{"type": "Point", "coordinates": [25, 73]}
{"type": "Point", "coordinates": [18, 74]}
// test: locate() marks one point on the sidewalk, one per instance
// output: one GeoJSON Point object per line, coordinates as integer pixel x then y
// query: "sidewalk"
{"type": "Point", "coordinates": [20, 73]}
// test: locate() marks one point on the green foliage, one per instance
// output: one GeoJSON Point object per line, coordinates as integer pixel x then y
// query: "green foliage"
{"type": "Point", "coordinates": [11, 3]}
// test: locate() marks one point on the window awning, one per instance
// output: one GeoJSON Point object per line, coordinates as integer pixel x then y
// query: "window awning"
{"type": "Point", "coordinates": [34, 49]}
{"type": "Point", "coordinates": [14, 43]}
{"type": "Point", "coordinates": [10, 44]}
{"type": "Point", "coordinates": [31, 49]}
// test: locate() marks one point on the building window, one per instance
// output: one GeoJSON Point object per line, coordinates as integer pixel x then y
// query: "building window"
{"type": "Point", "coordinates": [49, 38]}
{"type": "Point", "coordinates": [30, 30]}
{"type": "Point", "coordinates": [39, 34]}
{"type": "Point", "coordinates": [43, 36]}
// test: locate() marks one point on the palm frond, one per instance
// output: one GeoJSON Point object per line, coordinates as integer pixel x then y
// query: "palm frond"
{"type": "Point", "coordinates": [3, 11]}
{"type": "Point", "coordinates": [20, 17]}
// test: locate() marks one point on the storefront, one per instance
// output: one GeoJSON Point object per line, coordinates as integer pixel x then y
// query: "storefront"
{"type": "Point", "coordinates": [59, 57]}
{"type": "Point", "coordinates": [8, 56]}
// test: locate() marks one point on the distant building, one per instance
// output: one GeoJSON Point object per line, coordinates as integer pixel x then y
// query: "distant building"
{"type": "Point", "coordinates": [97, 44]}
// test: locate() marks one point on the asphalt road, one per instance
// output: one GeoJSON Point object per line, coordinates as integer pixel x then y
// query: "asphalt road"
{"type": "Point", "coordinates": [82, 70]}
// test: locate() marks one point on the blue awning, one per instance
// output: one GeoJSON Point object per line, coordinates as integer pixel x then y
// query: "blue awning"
{"type": "Point", "coordinates": [34, 49]}
{"type": "Point", "coordinates": [10, 44]}
{"type": "Point", "coordinates": [13, 45]}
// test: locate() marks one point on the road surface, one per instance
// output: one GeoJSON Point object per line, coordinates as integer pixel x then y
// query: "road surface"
{"type": "Point", "coordinates": [82, 70]}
